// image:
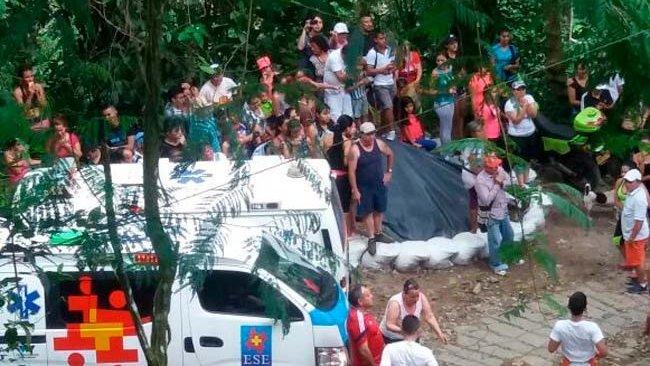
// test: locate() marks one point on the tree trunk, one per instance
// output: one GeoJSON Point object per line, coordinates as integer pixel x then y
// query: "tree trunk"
{"type": "Point", "coordinates": [556, 74]}
{"type": "Point", "coordinates": [118, 260]}
{"type": "Point", "coordinates": [160, 240]}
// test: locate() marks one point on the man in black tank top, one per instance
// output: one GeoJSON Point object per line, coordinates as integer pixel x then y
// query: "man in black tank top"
{"type": "Point", "coordinates": [368, 180]}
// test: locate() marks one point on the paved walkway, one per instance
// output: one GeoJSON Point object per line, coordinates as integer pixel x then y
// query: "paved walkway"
{"type": "Point", "coordinates": [496, 341]}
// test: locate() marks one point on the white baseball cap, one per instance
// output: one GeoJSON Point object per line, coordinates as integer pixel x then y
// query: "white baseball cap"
{"type": "Point", "coordinates": [632, 175]}
{"type": "Point", "coordinates": [367, 128]}
{"type": "Point", "coordinates": [518, 84]}
{"type": "Point", "coordinates": [340, 28]}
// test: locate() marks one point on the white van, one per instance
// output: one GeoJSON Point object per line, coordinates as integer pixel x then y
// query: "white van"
{"type": "Point", "coordinates": [80, 317]}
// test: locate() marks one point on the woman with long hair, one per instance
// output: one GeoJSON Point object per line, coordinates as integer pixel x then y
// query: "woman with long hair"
{"type": "Point", "coordinates": [63, 144]}
{"type": "Point", "coordinates": [412, 131]}
{"type": "Point", "coordinates": [489, 114]}
{"type": "Point", "coordinates": [410, 71]}
{"type": "Point", "coordinates": [342, 140]}
{"type": "Point", "coordinates": [577, 86]}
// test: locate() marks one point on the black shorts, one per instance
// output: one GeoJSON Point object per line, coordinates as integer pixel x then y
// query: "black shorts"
{"type": "Point", "coordinates": [528, 147]}
{"type": "Point", "coordinates": [345, 192]}
{"type": "Point", "coordinates": [373, 199]}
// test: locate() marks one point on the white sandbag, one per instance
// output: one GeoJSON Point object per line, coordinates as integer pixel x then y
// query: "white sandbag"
{"type": "Point", "coordinates": [442, 251]}
{"type": "Point", "coordinates": [469, 247]}
{"type": "Point", "coordinates": [383, 258]}
{"type": "Point", "coordinates": [411, 255]}
{"type": "Point", "coordinates": [386, 254]}
{"type": "Point", "coordinates": [357, 245]}
{"type": "Point", "coordinates": [533, 220]}
{"type": "Point", "coordinates": [368, 261]}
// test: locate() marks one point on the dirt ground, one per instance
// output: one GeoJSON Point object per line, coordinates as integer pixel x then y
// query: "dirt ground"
{"type": "Point", "coordinates": [463, 294]}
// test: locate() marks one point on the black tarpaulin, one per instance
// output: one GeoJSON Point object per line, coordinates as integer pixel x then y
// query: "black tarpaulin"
{"type": "Point", "coordinates": [426, 197]}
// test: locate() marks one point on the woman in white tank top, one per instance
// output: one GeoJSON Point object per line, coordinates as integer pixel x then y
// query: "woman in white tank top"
{"type": "Point", "coordinates": [408, 302]}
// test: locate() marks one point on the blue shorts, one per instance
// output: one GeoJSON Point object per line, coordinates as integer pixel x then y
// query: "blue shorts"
{"type": "Point", "coordinates": [359, 107]}
{"type": "Point", "coordinates": [373, 199]}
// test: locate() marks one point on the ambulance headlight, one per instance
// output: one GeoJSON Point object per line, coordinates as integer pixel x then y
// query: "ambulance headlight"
{"type": "Point", "coordinates": [331, 356]}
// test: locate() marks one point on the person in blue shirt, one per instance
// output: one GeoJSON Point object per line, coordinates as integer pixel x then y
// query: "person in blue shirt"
{"type": "Point", "coordinates": [505, 57]}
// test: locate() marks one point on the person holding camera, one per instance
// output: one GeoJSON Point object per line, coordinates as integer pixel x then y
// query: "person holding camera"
{"type": "Point", "coordinates": [490, 190]}
{"type": "Point", "coordinates": [313, 27]}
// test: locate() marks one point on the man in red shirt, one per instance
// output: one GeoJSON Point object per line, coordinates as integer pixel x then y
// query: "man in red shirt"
{"type": "Point", "coordinates": [366, 340]}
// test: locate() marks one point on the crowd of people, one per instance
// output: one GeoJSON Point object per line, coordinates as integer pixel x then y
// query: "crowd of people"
{"type": "Point", "coordinates": [335, 120]}
{"type": "Point", "coordinates": [395, 341]}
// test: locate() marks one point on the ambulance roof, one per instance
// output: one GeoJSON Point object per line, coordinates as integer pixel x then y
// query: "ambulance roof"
{"type": "Point", "coordinates": [274, 186]}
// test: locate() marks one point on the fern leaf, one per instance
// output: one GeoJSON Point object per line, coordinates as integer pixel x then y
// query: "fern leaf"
{"type": "Point", "coordinates": [545, 259]}
{"type": "Point", "coordinates": [570, 210]}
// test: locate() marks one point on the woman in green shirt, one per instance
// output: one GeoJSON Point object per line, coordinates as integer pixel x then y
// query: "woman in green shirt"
{"type": "Point", "coordinates": [444, 96]}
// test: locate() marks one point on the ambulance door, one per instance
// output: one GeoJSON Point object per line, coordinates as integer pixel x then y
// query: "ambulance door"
{"type": "Point", "coordinates": [89, 324]}
{"type": "Point", "coordinates": [228, 325]}
{"type": "Point", "coordinates": [26, 304]}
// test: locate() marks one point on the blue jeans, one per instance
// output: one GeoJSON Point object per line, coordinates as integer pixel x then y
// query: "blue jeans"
{"type": "Point", "coordinates": [498, 232]}
{"type": "Point", "coordinates": [426, 143]}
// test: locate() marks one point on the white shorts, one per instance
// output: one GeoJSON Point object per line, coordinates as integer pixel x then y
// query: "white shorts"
{"type": "Point", "coordinates": [340, 103]}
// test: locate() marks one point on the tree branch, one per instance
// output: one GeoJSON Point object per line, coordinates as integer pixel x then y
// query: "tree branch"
{"type": "Point", "coordinates": [121, 30]}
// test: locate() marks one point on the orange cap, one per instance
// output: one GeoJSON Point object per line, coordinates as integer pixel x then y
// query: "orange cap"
{"type": "Point", "coordinates": [492, 162]}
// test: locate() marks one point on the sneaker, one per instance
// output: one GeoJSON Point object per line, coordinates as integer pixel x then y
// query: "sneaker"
{"type": "Point", "coordinates": [631, 281]}
{"type": "Point", "coordinates": [637, 289]}
{"type": "Point", "coordinates": [383, 238]}
{"type": "Point", "coordinates": [501, 269]}
{"type": "Point", "coordinates": [372, 246]}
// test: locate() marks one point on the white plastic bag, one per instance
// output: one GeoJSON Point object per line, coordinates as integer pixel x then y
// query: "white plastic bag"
{"type": "Point", "coordinates": [411, 255]}
{"type": "Point", "coordinates": [469, 246]}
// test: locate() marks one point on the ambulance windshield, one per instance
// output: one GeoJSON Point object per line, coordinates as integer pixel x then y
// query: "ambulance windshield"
{"type": "Point", "coordinates": [314, 284]}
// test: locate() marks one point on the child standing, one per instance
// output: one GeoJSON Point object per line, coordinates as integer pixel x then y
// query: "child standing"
{"type": "Point", "coordinates": [358, 93]}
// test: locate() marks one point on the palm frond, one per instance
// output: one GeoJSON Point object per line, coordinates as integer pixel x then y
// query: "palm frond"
{"type": "Point", "coordinates": [570, 210]}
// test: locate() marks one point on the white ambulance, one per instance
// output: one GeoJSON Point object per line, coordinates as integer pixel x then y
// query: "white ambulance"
{"type": "Point", "coordinates": [80, 317]}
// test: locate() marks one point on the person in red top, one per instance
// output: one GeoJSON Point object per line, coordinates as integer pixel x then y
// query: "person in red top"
{"type": "Point", "coordinates": [63, 144]}
{"type": "Point", "coordinates": [412, 131]}
{"type": "Point", "coordinates": [410, 72]}
{"type": "Point", "coordinates": [366, 340]}
{"type": "Point", "coordinates": [479, 81]}
{"type": "Point", "coordinates": [489, 114]}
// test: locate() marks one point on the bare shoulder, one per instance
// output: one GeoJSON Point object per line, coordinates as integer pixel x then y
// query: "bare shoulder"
{"type": "Point", "coordinates": [383, 146]}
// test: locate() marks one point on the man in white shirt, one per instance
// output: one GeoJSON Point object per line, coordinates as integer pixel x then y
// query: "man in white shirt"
{"type": "Point", "coordinates": [408, 352]}
{"type": "Point", "coordinates": [217, 90]}
{"type": "Point", "coordinates": [381, 65]}
{"type": "Point", "coordinates": [582, 341]}
{"type": "Point", "coordinates": [336, 98]}
{"type": "Point", "coordinates": [634, 225]}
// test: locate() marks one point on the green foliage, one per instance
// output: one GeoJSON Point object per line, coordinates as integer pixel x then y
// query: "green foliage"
{"type": "Point", "coordinates": [554, 305]}
{"type": "Point", "coordinates": [193, 33]}
{"type": "Point", "coordinates": [512, 252]}
{"type": "Point", "coordinates": [569, 210]}
{"type": "Point", "coordinates": [518, 309]}
{"type": "Point", "coordinates": [546, 260]}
